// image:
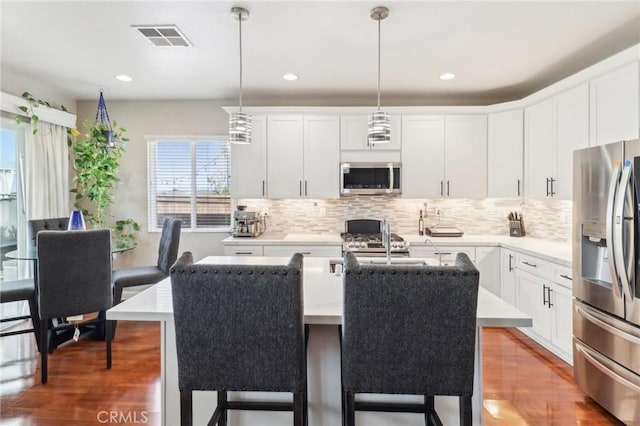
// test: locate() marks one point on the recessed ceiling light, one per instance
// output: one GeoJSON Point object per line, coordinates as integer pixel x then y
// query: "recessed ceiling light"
{"type": "Point", "coordinates": [447, 76]}
{"type": "Point", "coordinates": [290, 76]}
{"type": "Point", "coordinates": [123, 77]}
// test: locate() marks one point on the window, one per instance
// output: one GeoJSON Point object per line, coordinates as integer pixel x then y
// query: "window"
{"type": "Point", "coordinates": [189, 179]}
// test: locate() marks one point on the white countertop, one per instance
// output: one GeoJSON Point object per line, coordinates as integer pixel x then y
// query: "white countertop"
{"type": "Point", "coordinates": [322, 297]}
{"type": "Point", "coordinates": [553, 251]}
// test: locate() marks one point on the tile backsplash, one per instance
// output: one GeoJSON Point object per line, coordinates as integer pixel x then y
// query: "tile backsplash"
{"type": "Point", "coordinates": [548, 219]}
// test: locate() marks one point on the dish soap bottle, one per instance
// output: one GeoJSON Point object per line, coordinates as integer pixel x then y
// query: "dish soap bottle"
{"type": "Point", "coordinates": [420, 224]}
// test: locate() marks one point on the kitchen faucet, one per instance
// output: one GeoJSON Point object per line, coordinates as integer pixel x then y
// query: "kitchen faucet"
{"type": "Point", "coordinates": [385, 236]}
{"type": "Point", "coordinates": [436, 250]}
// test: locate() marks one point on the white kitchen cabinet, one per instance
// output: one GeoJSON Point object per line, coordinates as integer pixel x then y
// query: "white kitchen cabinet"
{"type": "Point", "coordinates": [614, 106]}
{"type": "Point", "coordinates": [445, 254]}
{"type": "Point", "coordinates": [353, 134]}
{"type": "Point", "coordinates": [422, 155]}
{"type": "Point", "coordinates": [505, 154]}
{"type": "Point", "coordinates": [508, 276]}
{"type": "Point", "coordinates": [321, 156]}
{"type": "Point", "coordinates": [554, 128]}
{"type": "Point", "coordinates": [306, 250]}
{"type": "Point", "coordinates": [249, 163]}
{"type": "Point", "coordinates": [444, 156]}
{"type": "Point", "coordinates": [303, 156]}
{"type": "Point", "coordinates": [488, 263]}
{"type": "Point", "coordinates": [543, 290]}
{"type": "Point", "coordinates": [242, 250]}
{"type": "Point", "coordinates": [465, 156]}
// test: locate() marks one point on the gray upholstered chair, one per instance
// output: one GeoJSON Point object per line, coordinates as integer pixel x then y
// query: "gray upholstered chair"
{"type": "Point", "coordinates": [51, 224]}
{"type": "Point", "coordinates": [239, 328]}
{"type": "Point", "coordinates": [15, 291]}
{"type": "Point", "coordinates": [74, 277]}
{"type": "Point", "coordinates": [409, 330]}
{"type": "Point", "coordinates": [152, 274]}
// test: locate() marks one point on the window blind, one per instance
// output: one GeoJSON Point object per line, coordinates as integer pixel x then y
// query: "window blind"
{"type": "Point", "coordinates": [190, 180]}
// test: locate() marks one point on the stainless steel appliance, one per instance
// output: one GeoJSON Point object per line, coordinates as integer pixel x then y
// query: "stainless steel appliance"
{"type": "Point", "coordinates": [606, 282]}
{"type": "Point", "coordinates": [364, 238]}
{"type": "Point", "coordinates": [370, 179]}
{"type": "Point", "coordinates": [248, 224]}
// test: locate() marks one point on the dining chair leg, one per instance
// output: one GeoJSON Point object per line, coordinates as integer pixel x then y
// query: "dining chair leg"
{"type": "Point", "coordinates": [35, 319]}
{"type": "Point", "coordinates": [186, 408]}
{"type": "Point", "coordinates": [44, 353]}
{"type": "Point", "coordinates": [117, 298]}
{"type": "Point", "coordinates": [107, 330]}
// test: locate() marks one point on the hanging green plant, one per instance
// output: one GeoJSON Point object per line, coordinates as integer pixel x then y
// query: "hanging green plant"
{"type": "Point", "coordinates": [30, 111]}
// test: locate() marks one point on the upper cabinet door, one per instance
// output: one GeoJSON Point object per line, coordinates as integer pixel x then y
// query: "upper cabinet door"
{"type": "Point", "coordinates": [572, 132]}
{"type": "Point", "coordinates": [285, 156]}
{"type": "Point", "coordinates": [422, 156]}
{"type": "Point", "coordinates": [506, 145]}
{"type": "Point", "coordinates": [465, 156]}
{"type": "Point", "coordinates": [321, 156]}
{"type": "Point", "coordinates": [539, 148]}
{"type": "Point", "coordinates": [353, 134]}
{"type": "Point", "coordinates": [249, 163]}
{"type": "Point", "coordinates": [614, 106]}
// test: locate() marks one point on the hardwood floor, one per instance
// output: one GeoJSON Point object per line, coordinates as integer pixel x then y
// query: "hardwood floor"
{"type": "Point", "coordinates": [524, 384]}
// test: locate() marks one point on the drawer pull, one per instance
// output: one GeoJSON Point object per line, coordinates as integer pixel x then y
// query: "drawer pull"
{"type": "Point", "coordinates": [243, 252]}
{"type": "Point", "coordinates": [442, 252]}
{"type": "Point", "coordinates": [566, 277]}
{"type": "Point", "coordinates": [529, 264]}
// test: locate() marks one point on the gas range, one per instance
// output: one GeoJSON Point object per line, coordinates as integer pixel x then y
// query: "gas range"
{"type": "Point", "coordinates": [363, 238]}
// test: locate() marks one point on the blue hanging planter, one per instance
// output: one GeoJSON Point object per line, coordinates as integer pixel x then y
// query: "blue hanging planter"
{"type": "Point", "coordinates": [102, 117]}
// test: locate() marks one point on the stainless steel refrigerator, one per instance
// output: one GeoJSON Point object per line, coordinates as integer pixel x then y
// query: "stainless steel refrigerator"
{"type": "Point", "coordinates": [606, 283]}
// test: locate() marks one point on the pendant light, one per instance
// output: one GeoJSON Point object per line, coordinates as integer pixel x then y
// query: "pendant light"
{"type": "Point", "coordinates": [240, 122]}
{"type": "Point", "coordinates": [379, 124]}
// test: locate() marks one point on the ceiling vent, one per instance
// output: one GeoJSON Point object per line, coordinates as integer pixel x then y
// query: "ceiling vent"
{"type": "Point", "coordinates": [163, 35]}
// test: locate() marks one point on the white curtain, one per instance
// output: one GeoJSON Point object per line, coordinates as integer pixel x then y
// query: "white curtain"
{"type": "Point", "coordinates": [47, 172]}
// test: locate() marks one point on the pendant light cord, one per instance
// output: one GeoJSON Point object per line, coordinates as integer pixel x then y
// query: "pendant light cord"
{"type": "Point", "coordinates": [379, 63]}
{"type": "Point", "coordinates": [240, 31]}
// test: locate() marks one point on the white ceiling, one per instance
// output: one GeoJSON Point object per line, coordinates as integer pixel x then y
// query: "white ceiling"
{"type": "Point", "coordinates": [500, 50]}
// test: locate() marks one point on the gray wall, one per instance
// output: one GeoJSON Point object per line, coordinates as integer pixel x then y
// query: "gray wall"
{"type": "Point", "coordinates": [157, 118]}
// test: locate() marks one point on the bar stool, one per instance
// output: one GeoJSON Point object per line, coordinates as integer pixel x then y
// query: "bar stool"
{"type": "Point", "coordinates": [409, 330]}
{"type": "Point", "coordinates": [239, 328]}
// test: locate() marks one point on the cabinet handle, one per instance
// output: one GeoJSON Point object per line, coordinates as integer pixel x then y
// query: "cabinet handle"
{"type": "Point", "coordinates": [547, 187]}
{"type": "Point", "coordinates": [441, 188]}
{"type": "Point", "coordinates": [529, 264]}
{"type": "Point", "coordinates": [552, 192]}
{"type": "Point", "coordinates": [447, 188]}
{"type": "Point", "coordinates": [263, 194]}
{"type": "Point", "coordinates": [304, 252]}
{"type": "Point", "coordinates": [566, 277]}
{"type": "Point", "coordinates": [243, 252]}
{"type": "Point", "coordinates": [510, 259]}
{"type": "Point", "coordinates": [442, 252]}
{"type": "Point", "coordinates": [305, 188]}
{"type": "Point", "coordinates": [518, 187]}
{"type": "Point", "coordinates": [544, 294]}
{"type": "Point", "coordinates": [300, 188]}
{"type": "Point", "coordinates": [549, 297]}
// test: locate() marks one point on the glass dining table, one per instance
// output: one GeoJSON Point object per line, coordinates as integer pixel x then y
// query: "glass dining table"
{"type": "Point", "coordinates": [31, 253]}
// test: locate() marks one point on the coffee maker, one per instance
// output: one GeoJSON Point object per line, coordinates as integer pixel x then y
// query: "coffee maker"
{"type": "Point", "coordinates": [249, 224]}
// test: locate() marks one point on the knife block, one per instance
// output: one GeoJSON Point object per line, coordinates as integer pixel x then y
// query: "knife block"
{"type": "Point", "coordinates": [516, 228]}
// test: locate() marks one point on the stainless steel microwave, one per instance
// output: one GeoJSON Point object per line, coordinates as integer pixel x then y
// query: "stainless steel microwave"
{"type": "Point", "coordinates": [370, 178]}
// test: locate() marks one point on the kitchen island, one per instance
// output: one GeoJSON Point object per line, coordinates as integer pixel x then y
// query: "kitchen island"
{"type": "Point", "coordinates": [323, 314]}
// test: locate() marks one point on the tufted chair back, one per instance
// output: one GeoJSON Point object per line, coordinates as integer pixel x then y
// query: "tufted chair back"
{"type": "Point", "coordinates": [409, 329]}
{"type": "Point", "coordinates": [51, 224]}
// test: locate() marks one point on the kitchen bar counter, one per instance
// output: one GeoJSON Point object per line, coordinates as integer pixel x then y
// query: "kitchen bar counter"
{"type": "Point", "coordinates": [323, 312]}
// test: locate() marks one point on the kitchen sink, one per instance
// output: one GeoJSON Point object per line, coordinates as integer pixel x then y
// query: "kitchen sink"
{"type": "Point", "coordinates": [404, 261]}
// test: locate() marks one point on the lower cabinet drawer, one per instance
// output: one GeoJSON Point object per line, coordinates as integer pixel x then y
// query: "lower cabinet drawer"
{"type": "Point", "coordinates": [446, 254]}
{"type": "Point", "coordinates": [243, 250]}
{"type": "Point", "coordinates": [312, 251]}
